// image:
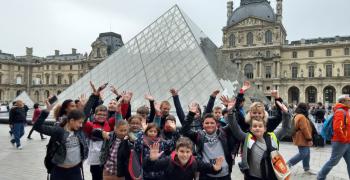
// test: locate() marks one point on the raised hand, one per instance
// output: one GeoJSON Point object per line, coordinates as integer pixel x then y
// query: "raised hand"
{"type": "Point", "coordinates": [224, 100]}
{"type": "Point", "coordinates": [215, 93]}
{"type": "Point", "coordinates": [282, 106]}
{"type": "Point", "coordinates": [154, 151]}
{"type": "Point", "coordinates": [149, 97]}
{"type": "Point", "coordinates": [49, 106]}
{"type": "Point", "coordinates": [231, 104]}
{"type": "Point", "coordinates": [218, 163]}
{"type": "Point", "coordinates": [82, 100]}
{"type": "Point", "coordinates": [114, 90]}
{"type": "Point", "coordinates": [246, 85]}
{"type": "Point", "coordinates": [173, 92]}
{"type": "Point", "coordinates": [94, 90]}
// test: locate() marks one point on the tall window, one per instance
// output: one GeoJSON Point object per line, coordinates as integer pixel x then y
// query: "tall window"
{"type": "Point", "coordinates": [0, 66]}
{"type": "Point", "coordinates": [232, 40]}
{"type": "Point", "coordinates": [329, 68]}
{"type": "Point", "coordinates": [71, 67]}
{"type": "Point", "coordinates": [0, 78]}
{"type": "Point", "coordinates": [47, 78]}
{"type": "Point", "coordinates": [59, 67]}
{"type": "Point", "coordinates": [294, 72]}
{"type": "Point", "coordinates": [250, 39]}
{"type": "Point", "coordinates": [328, 52]}
{"type": "Point", "coordinates": [47, 67]}
{"type": "Point", "coordinates": [347, 70]}
{"type": "Point", "coordinates": [248, 71]}
{"type": "Point", "coordinates": [268, 72]}
{"type": "Point", "coordinates": [19, 68]}
{"type": "Point", "coordinates": [311, 53]}
{"type": "Point", "coordinates": [268, 54]}
{"type": "Point", "coordinates": [98, 52]}
{"type": "Point", "coordinates": [329, 94]}
{"type": "Point", "coordinates": [19, 79]}
{"type": "Point", "coordinates": [70, 79]}
{"type": "Point", "coordinates": [268, 37]}
{"type": "Point", "coordinates": [346, 51]}
{"type": "Point", "coordinates": [59, 79]}
{"type": "Point", "coordinates": [311, 94]}
{"type": "Point", "coordinates": [311, 71]}
{"type": "Point", "coordinates": [294, 54]}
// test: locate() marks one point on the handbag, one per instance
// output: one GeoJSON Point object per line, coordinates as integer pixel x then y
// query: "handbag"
{"type": "Point", "coordinates": [280, 166]}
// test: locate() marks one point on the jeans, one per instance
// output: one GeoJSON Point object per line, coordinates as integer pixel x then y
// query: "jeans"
{"type": "Point", "coordinates": [18, 132]}
{"type": "Point", "coordinates": [303, 155]}
{"type": "Point", "coordinates": [59, 173]}
{"type": "Point", "coordinates": [339, 150]}
{"type": "Point", "coordinates": [31, 131]}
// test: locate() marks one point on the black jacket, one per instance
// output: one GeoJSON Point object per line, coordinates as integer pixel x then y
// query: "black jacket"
{"type": "Point", "coordinates": [229, 143]}
{"type": "Point", "coordinates": [174, 171]}
{"type": "Point", "coordinates": [60, 135]}
{"type": "Point", "coordinates": [17, 115]}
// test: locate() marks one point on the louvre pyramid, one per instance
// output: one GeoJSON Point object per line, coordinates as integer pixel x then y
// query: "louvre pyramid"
{"type": "Point", "coordinates": [25, 98]}
{"type": "Point", "coordinates": [172, 52]}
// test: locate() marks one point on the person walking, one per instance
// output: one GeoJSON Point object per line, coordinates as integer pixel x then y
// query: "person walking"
{"type": "Point", "coordinates": [36, 115]}
{"type": "Point", "coordinates": [302, 137]}
{"type": "Point", "coordinates": [341, 137]}
{"type": "Point", "coordinates": [17, 120]}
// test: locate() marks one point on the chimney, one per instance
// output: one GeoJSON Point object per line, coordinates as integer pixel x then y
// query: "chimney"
{"type": "Point", "coordinates": [29, 51]}
{"type": "Point", "coordinates": [279, 8]}
{"type": "Point", "coordinates": [57, 52]}
{"type": "Point", "coordinates": [229, 9]}
{"type": "Point", "coordinates": [74, 51]}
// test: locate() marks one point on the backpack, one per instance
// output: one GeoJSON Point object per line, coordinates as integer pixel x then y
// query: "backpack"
{"type": "Point", "coordinates": [51, 149]}
{"type": "Point", "coordinates": [294, 129]}
{"type": "Point", "coordinates": [327, 130]}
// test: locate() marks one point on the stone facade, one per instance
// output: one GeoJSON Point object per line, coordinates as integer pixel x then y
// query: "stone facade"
{"type": "Point", "coordinates": [44, 76]}
{"type": "Point", "coordinates": [308, 70]}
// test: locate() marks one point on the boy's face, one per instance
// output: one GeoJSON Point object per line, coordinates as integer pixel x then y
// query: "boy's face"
{"type": "Point", "coordinates": [164, 108]}
{"type": "Point", "coordinates": [258, 128]}
{"type": "Point", "coordinates": [184, 154]}
{"type": "Point", "coordinates": [112, 105]}
{"type": "Point", "coordinates": [135, 125]}
{"type": "Point", "coordinates": [101, 116]}
{"type": "Point", "coordinates": [75, 124]}
{"type": "Point", "coordinates": [121, 131]}
{"type": "Point", "coordinates": [257, 114]}
{"type": "Point", "coordinates": [217, 113]}
{"type": "Point", "coordinates": [209, 125]}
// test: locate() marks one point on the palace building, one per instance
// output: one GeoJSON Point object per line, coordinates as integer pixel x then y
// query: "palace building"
{"type": "Point", "coordinates": [307, 70]}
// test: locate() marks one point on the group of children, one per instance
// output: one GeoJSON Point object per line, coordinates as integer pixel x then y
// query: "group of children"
{"type": "Point", "coordinates": [150, 145]}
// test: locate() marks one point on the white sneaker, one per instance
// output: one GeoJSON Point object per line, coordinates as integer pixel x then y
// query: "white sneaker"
{"type": "Point", "coordinates": [19, 147]}
{"type": "Point", "coordinates": [310, 172]}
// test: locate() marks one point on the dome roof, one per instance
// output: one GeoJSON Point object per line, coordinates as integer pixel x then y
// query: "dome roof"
{"type": "Point", "coordinates": [261, 10]}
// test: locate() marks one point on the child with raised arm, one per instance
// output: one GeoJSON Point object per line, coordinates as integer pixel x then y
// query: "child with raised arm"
{"type": "Point", "coordinates": [181, 164]}
{"type": "Point", "coordinates": [258, 143]}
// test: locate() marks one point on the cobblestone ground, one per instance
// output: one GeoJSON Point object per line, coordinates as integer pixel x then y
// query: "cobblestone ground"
{"type": "Point", "coordinates": [28, 163]}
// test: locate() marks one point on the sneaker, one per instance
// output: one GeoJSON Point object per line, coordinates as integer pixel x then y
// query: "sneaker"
{"type": "Point", "coordinates": [310, 172]}
{"type": "Point", "coordinates": [19, 147]}
{"type": "Point", "coordinates": [29, 138]}
{"type": "Point", "coordinates": [13, 142]}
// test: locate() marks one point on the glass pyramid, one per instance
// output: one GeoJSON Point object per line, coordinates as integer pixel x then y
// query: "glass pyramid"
{"type": "Point", "coordinates": [25, 98]}
{"type": "Point", "coordinates": [172, 52]}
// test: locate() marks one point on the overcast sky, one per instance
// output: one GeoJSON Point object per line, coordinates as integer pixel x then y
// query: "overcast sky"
{"type": "Point", "coordinates": [47, 25]}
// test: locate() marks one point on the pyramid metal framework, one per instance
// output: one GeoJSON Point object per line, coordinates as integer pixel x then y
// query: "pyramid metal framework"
{"type": "Point", "coordinates": [172, 52]}
{"type": "Point", "coordinates": [25, 98]}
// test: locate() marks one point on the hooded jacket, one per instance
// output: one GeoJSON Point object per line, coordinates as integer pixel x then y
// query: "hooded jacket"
{"type": "Point", "coordinates": [341, 131]}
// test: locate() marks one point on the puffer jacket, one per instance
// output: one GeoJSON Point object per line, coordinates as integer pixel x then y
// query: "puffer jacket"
{"type": "Point", "coordinates": [341, 131]}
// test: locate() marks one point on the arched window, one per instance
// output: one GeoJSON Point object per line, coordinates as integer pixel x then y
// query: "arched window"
{"type": "Point", "coordinates": [248, 71]}
{"type": "Point", "coordinates": [36, 94]}
{"type": "Point", "coordinates": [250, 39]}
{"type": "Point", "coordinates": [232, 40]}
{"type": "Point", "coordinates": [346, 90]}
{"type": "Point", "coordinates": [47, 93]}
{"type": "Point", "coordinates": [311, 94]}
{"type": "Point", "coordinates": [329, 94]}
{"type": "Point", "coordinates": [293, 95]}
{"type": "Point", "coordinates": [268, 37]}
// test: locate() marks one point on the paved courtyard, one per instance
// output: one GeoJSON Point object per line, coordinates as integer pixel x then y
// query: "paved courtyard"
{"type": "Point", "coordinates": [28, 163]}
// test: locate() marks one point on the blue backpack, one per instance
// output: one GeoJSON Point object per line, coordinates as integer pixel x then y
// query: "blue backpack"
{"type": "Point", "coordinates": [327, 130]}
